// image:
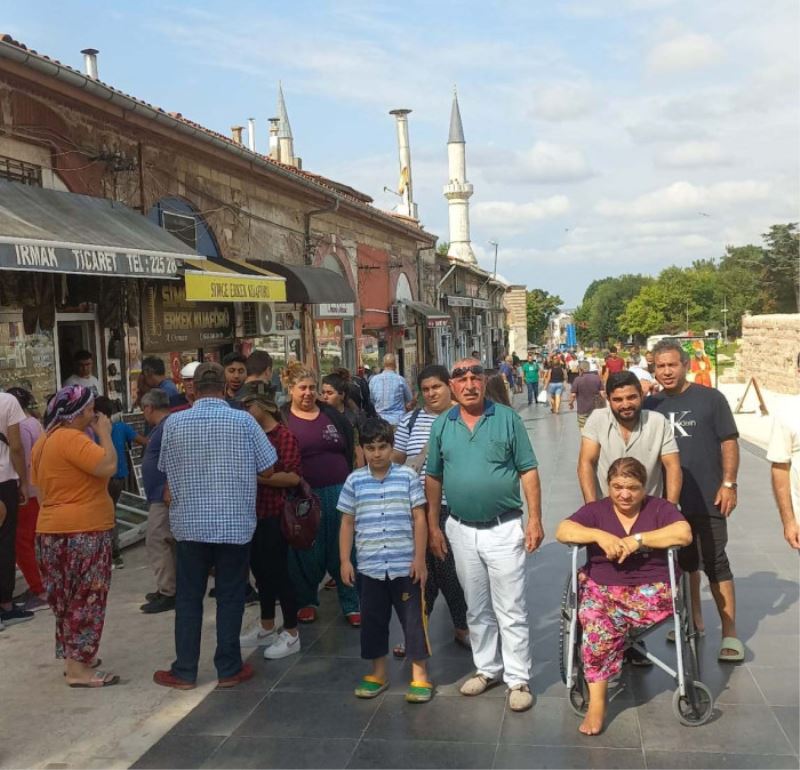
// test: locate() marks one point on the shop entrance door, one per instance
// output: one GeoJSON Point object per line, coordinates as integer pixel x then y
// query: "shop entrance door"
{"type": "Point", "coordinates": [74, 332]}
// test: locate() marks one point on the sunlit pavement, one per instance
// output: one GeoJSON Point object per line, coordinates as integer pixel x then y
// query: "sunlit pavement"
{"type": "Point", "coordinates": [300, 711]}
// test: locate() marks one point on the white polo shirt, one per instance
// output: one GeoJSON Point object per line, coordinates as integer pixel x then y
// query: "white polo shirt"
{"type": "Point", "coordinates": [784, 447]}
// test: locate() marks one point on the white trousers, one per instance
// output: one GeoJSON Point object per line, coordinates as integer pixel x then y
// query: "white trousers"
{"type": "Point", "coordinates": [491, 569]}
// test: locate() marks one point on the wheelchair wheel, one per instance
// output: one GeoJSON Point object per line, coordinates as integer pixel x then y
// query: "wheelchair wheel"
{"type": "Point", "coordinates": [579, 697]}
{"type": "Point", "coordinates": [696, 707]}
{"type": "Point", "coordinates": [564, 651]}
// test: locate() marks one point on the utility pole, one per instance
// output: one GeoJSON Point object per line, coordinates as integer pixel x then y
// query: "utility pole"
{"type": "Point", "coordinates": [687, 318]}
{"type": "Point", "coordinates": [725, 319]}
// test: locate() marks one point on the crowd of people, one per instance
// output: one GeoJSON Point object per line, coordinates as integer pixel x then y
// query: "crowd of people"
{"type": "Point", "coordinates": [415, 497]}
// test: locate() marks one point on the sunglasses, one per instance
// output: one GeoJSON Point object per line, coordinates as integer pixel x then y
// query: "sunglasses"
{"type": "Point", "coordinates": [463, 371]}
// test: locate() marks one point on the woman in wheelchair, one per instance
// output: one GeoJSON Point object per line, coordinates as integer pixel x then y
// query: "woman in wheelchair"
{"type": "Point", "coordinates": [620, 590]}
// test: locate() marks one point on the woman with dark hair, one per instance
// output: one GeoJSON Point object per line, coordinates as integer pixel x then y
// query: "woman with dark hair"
{"type": "Point", "coordinates": [496, 388]}
{"type": "Point", "coordinates": [326, 448]}
{"type": "Point", "coordinates": [73, 532]}
{"type": "Point", "coordinates": [619, 589]}
{"type": "Point", "coordinates": [269, 549]}
{"type": "Point", "coordinates": [554, 377]}
{"type": "Point", "coordinates": [337, 392]}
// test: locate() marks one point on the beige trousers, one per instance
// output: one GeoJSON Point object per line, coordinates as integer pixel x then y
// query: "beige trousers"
{"type": "Point", "coordinates": [161, 548]}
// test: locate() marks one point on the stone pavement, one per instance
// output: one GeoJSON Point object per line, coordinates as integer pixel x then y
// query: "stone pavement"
{"type": "Point", "coordinates": [300, 712]}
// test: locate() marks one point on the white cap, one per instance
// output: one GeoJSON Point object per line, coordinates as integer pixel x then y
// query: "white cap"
{"type": "Point", "coordinates": [188, 371]}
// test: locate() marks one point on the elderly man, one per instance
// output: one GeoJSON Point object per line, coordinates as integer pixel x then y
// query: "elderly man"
{"type": "Point", "coordinates": [707, 437]}
{"type": "Point", "coordinates": [159, 542]}
{"type": "Point", "coordinates": [212, 456]}
{"type": "Point", "coordinates": [390, 392]}
{"type": "Point", "coordinates": [478, 453]}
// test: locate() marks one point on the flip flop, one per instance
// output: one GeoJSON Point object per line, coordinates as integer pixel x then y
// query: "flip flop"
{"type": "Point", "coordinates": [671, 635]}
{"type": "Point", "coordinates": [370, 687]}
{"type": "Point", "coordinates": [98, 680]}
{"type": "Point", "coordinates": [731, 643]}
{"type": "Point", "coordinates": [96, 663]}
{"type": "Point", "coordinates": [419, 692]}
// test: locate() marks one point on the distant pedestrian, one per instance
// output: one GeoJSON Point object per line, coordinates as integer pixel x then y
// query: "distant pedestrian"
{"type": "Point", "coordinates": [613, 363]}
{"type": "Point", "coordinates": [586, 393]}
{"type": "Point", "coordinates": [73, 531]}
{"type": "Point", "coordinates": [390, 392]}
{"type": "Point", "coordinates": [383, 508]}
{"type": "Point", "coordinates": [159, 542]}
{"type": "Point", "coordinates": [530, 370]}
{"type": "Point", "coordinates": [212, 456]}
{"type": "Point", "coordinates": [639, 368]}
{"type": "Point", "coordinates": [784, 454]}
{"type": "Point", "coordinates": [506, 368]}
{"type": "Point", "coordinates": [479, 453]}
{"type": "Point", "coordinates": [554, 378]}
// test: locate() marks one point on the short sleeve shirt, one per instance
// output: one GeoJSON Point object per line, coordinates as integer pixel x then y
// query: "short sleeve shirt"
{"type": "Point", "coordinates": [390, 394]}
{"type": "Point", "coordinates": [154, 480]}
{"type": "Point", "coordinates": [122, 435]}
{"type": "Point", "coordinates": [639, 568]}
{"type": "Point", "coordinates": [700, 420]}
{"type": "Point", "coordinates": [784, 447]}
{"type": "Point", "coordinates": [649, 441]}
{"type": "Point", "coordinates": [383, 522]}
{"type": "Point", "coordinates": [413, 442]}
{"type": "Point", "coordinates": [531, 371]}
{"type": "Point", "coordinates": [10, 414]}
{"type": "Point", "coordinates": [480, 468]}
{"type": "Point", "coordinates": [585, 388]}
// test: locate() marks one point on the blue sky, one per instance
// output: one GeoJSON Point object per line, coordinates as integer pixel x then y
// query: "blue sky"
{"type": "Point", "coordinates": [603, 136]}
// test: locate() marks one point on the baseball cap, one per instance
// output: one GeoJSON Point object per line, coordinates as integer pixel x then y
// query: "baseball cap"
{"type": "Point", "coordinates": [209, 374]}
{"type": "Point", "coordinates": [187, 372]}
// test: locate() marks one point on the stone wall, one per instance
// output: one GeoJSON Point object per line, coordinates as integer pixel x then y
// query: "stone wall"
{"type": "Point", "coordinates": [769, 350]}
{"type": "Point", "coordinates": [516, 305]}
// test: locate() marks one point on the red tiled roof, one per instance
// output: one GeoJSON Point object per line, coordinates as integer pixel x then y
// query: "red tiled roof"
{"type": "Point", "coordinates": [345, 191]}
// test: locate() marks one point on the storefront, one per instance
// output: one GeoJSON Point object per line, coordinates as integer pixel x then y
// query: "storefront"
{"type": "Point", "coordinates": [335, 331]}
{"type": "Point", "coordinates": [72, 269]}
{"type": "Point", "coordinates": [430, 327]}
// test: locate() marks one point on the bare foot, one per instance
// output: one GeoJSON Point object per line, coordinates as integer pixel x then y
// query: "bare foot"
{"type": "Point", "coordinates": [593, 723]}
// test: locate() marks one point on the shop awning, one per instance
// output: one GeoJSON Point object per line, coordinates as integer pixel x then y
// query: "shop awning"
{"type": "Point", "coordinates": [434, 318]}
{"type": "Point", "coordinates": [312, 285]}
{"type": "Point", "coordinates": [62, 232]}
{"type": "Point", "coordinates": [216, 279]}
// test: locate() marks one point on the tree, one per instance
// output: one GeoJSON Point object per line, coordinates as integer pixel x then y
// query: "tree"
{"type": "Point", "coordinates": [541, 306]}
{"type": "Point", "coordinates": [442, 247]}
{"type": "Point", "coordinates": [603, 302]}
{"type": "Point", "coordinates": [782, 268]}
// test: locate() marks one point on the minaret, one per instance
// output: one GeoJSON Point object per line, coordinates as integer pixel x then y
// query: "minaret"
{"type": "Point", "coordinates": [285, 139]}
{"type": "Point", "coordinates": [458, 190]}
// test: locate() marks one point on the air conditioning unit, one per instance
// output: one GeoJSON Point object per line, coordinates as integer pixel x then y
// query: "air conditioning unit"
{"type": "Point", "coordinates": [398, 315]}
{"type": "Point", "coordinates": [265, 318]}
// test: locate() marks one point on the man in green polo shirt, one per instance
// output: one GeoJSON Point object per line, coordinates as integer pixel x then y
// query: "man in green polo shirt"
{"type": "Point", "coordinates": [530, 370]}
{"type": "Point", "coordinates": [479, 452]}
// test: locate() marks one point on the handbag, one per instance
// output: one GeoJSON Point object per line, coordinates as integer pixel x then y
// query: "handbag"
{"type": "Point", "coordinates": [300, 517]}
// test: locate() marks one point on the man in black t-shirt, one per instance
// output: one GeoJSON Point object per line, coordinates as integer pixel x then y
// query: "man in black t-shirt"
{"type": "Point", "coordinates": [707, 437]}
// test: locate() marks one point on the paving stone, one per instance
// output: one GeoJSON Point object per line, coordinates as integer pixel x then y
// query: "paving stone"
{"type": "Point", "coordinates": [379, 753]}
{"type": "Point", "coordinates": [175, 751]}
{"type": "Point", "coordinates": [701, 760]}
{"type": "Point", "coordinates": [280, 752]}
{"type": "Point", "coordinates": [577, 757]}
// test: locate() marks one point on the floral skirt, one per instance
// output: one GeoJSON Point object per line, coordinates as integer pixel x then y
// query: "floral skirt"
{"type": "Point", "coordinates": [608, 613]}
{"type": "Point", "coordinates": [76, 573]}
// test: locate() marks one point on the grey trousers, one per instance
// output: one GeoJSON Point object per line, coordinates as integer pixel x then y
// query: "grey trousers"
{"type": "Point", "coordinates": [161, 548]}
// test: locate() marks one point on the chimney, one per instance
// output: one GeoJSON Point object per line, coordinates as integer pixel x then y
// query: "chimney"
{"type": "Point", "coordinates": [251, 134]}
{"type": "Point", "coordinates": [90, 62]}
{"type": "Point", "coordinates": [274, 151]}
{"type": "Point", "coordinates": [408, 208]}
{"type": "Point", "coordinates": [236, 133]}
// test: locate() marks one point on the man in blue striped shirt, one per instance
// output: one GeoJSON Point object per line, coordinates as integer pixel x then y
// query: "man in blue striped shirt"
{"type": "Point", "coordinates": [384, 507]}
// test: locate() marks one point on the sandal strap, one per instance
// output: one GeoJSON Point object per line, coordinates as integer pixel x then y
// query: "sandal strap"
{"type": "Point", "coordinates": [420, 686]}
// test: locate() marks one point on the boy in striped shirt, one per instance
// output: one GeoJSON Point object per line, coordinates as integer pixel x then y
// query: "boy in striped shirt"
{"type": "Point", "coordinates": [384, 508]}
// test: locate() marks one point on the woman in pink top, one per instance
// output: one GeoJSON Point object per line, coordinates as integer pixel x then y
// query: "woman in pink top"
{"type": "Point", "coordinates": [29, 429]}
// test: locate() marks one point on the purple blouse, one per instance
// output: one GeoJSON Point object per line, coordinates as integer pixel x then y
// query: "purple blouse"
{"type": "Point", "coordinates": [323, 450]}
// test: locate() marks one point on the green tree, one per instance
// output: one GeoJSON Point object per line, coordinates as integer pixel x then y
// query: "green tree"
{"type": "Point", "coordinates": [442, 247]}
{"type": "Point", "coordinates": [603, 302]}
{"type": "Point", "coordinates": [541, 306]}
{"type": "Point", "coordinates": [782, 268]}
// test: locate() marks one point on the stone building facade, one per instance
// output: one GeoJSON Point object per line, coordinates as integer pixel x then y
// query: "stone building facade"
{"type": "Point", "coordinates": [769, 351]}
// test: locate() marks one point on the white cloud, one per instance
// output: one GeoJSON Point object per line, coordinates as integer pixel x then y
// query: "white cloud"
{"type": "Point", "coordinates": [685, 198]}
{"type": "Point", "coordinates": [683, 53]}
{"type": "Point", "coordinates": [543, 163]}
{"type": "Point", "coordinates": [509, 217]}
{"type": "Point", "coordinates": [564, 101]}
{"type": "Point", "coordinates": [694, 154]}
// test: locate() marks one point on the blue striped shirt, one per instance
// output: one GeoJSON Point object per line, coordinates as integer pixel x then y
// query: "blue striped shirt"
{"type": "Point", "coordinates": [384, 524]}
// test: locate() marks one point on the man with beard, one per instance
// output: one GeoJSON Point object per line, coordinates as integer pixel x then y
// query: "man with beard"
{"type": "Point", "coordinates": [707, 437]}
{"type": "Point", "coordinates": [624, 430]}
{"type": "Point", "coordinates": [479, 453]}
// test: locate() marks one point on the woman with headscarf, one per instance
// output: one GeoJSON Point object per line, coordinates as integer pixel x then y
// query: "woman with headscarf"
{"type": "Point", "coordinates": [73, 532]}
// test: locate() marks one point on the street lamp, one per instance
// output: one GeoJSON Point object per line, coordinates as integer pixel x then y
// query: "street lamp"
{"type": "Point", "coordinates": [725, 319]}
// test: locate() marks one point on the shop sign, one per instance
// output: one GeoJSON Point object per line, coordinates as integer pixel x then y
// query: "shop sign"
{"type": "Point", "coordinates": [482, 304]}
{"type": "Point", "coordinates": [216, 287]}
{"type": "Point", "coordinates": [329, 332]}
{"type": "Point", "coordinates": [438, 323]}
{"type": "Point", "coordinates": [170, 322]}
{"type": "Point", "coordinates": [335, 310]}
{"type": "Point", "coordinates": [454, 301]}
{"type": "Point", "coordinates": [57, 259]}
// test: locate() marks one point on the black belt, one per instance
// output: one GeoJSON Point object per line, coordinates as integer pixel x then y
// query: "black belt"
{"type": "Point", "coordinates": [503, 517]}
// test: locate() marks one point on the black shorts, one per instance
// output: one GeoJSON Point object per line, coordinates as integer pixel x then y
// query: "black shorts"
{"type": "Point", "coordinates": [707, 550]}
{"type": "Point", "coordinates": [377, 597]}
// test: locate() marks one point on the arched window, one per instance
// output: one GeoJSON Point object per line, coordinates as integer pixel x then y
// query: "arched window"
{"type": "Point", "coordinates": [184, 221]}
{"type": "Point", "coordinates": [403, 290]}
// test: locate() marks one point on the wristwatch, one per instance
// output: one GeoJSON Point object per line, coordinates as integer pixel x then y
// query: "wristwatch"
{"type": "Point", "coordinates": [638, 537]}
{"type": "Point", "coordinates": [730, 485]}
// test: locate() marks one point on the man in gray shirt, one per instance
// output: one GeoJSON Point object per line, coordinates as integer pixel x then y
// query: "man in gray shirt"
{"type": "Point", "coordinates": [624, 430]}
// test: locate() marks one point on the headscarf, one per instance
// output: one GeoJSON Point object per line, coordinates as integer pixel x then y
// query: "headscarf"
{"type": "Point", "coordinates": [66, 405]}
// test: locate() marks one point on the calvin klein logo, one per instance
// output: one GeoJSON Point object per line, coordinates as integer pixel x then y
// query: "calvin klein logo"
{"type": "Point", "coordinates": [679, 423]}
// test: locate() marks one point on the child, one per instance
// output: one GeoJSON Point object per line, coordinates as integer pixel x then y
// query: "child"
{"type": "Point", "coordinates": [384, 506]}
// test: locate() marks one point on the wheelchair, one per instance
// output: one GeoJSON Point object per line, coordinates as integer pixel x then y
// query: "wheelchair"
{"type": "Point", "coordinates": [692, 702]}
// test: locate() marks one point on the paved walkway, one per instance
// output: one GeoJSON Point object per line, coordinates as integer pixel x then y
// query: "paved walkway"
{"type": "Point", "coordinates": [300, 712]}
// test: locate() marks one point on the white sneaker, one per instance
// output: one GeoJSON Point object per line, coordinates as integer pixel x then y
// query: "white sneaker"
{"type": "Point", "coordinates": [284, 645]}
{"type": "Point", "coordinates": [258, 637]}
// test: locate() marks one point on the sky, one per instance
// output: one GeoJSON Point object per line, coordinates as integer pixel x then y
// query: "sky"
{"type": "Point", "coordinates": [603, 136]}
